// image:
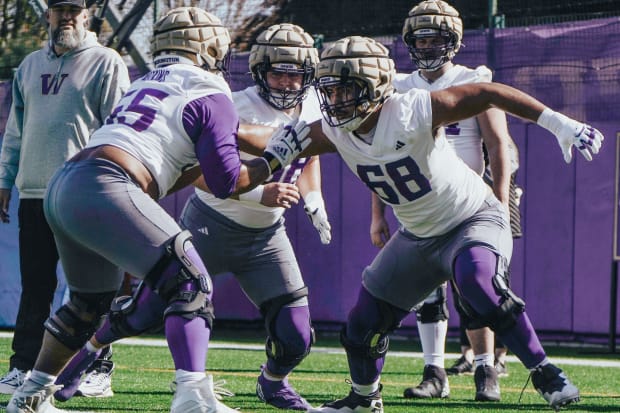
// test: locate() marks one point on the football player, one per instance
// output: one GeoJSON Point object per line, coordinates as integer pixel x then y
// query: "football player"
{"type": "Point", "coordinates": [249, 239]}
{"type": "Point", "coordinates": [452, 227]}
{"type": "Point", "coordinates": [433, 32]}
{"type": "Point", "coordinates": [174, 124]}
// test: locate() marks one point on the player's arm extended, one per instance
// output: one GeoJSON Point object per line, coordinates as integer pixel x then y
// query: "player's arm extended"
{"type": "Point", "coordinates": [465, 101]}
{"type": "Point", "coordinates": [462, 102]}
{"type": "Point", "coordinates": [253, 139]}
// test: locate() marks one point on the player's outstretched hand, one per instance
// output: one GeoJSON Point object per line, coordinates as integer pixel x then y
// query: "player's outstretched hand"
{"type": "Point", "coordinates": [569, 133]}
{"type": "Point", "coordinates": [286, 143]}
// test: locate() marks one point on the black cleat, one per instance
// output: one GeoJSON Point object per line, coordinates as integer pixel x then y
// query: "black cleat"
{"type": "Point", "coordinates": [353, 403]}
{"type": "Point", "coordinates": [554, 386]}
{"type": "Point", "coordinates": [502, 370]}
{"type": "Point", "coordinates": [487, 385]}
{"type": "Point", "coordinates": [434, 385]}
{"type": "Point", "coordinates": [461, 366]}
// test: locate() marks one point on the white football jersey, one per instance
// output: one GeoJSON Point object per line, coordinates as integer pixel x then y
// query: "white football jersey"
{"type": "Point", "coordinates": [464, 135]}
{"type": "Point", "coordinates": [253, 109]}
{"type": "Point", "coordinates": [430, 188]}
{"type": "Point", "coordinates": [148, 121]}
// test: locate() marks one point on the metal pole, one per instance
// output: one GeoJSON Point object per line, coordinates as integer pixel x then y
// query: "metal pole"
{"type": "Point", "coordinates": [492, 10]}
{"type": "Point", "coordinates": [613, 306]}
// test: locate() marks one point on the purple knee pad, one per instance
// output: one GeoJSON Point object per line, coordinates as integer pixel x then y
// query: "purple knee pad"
{"type": "Point", "coordinates": [293, 339]}
{"type": "Point", "coordinates": [368, 318]}
{"type": "Point", "coordinates": [474, 269]}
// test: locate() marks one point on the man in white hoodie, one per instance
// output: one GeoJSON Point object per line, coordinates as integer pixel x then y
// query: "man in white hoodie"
{"type": "Point", "coordinates": [61, 94]}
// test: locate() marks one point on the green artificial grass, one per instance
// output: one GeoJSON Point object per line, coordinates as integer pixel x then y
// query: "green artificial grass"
{"type": "Point", "coordinates": [143, 375]}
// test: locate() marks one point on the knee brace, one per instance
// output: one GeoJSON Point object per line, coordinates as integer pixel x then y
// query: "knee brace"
{"type": "Point", "coordinates": [124, 308]}
{"type": "Point", "coordinates": [374, 342]}
{"type": "Point", "coordinates": [76, 321]}
{"type": "Point", "coordinates": [181, 279]}
{"type": "Point", "coordinates": [434, 308]}
{"type": "Point", "coordinates": [276, 348]}
{"type": "Point", "coordinates": [506, 312]}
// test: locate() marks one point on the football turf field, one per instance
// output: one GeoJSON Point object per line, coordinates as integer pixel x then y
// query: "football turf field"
{"type": "Point", "coordinates": [144, 370]}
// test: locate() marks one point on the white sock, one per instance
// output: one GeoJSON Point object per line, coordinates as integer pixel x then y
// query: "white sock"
{"type": "Point", "coordinates": [271, 377]}
{"type": "Point", "coordinates": [365, 389]}
{"type": "Point", "coordinates": [433, 339]}
{"type": "Point", "coordinates": [90, 348]}
{"type": "Point", "coordinates": [41, 378]}
{"type": "Point", "coordinates": [485, 359]}
{"type": "Point", "coordinates": [184, 376]}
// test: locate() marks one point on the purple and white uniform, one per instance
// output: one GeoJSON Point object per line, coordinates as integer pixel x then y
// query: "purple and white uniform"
{"type": "Point", "coordinates": [451, 227]}
{"type": "Point", "coordinates": [226, 231]}
{"type": "Point", "coordinates": [170, 119]}
{"type": "Point", "coordinates": [250, 240]}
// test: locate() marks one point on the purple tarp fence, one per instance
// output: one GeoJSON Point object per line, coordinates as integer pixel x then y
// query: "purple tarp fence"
{"type": "Point", "coordinates": [562, 265]}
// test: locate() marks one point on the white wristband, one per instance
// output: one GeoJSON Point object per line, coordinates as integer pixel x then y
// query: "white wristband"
{"type": "Point", "coordinates": [314, 200]}
{"type": "Point", "coordinates": [255, 195]}
{"type": "Point", "coordinates": [553, 121]}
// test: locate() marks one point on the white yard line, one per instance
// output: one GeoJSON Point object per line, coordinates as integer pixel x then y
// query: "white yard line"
{"type": "Point", "coordinates": [574, 361]}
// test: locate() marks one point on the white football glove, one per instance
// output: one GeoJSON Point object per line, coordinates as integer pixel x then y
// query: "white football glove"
{"type": "Point", "coordinates": [315, 209]}
{"type": "Point", "coordinates": [569, 133]}
{"type": "Point", "coordinates": [286, 143]}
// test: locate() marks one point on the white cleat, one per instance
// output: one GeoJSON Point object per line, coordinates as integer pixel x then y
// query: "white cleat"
{"type": "Point", "coordinates": [198, 397]}
{"type": "Point", "coordinates": [33, 398]}
{"type": "Point", "coordinates": [12, 380]}
{"type": "Point", "coordinates": [98, 383]}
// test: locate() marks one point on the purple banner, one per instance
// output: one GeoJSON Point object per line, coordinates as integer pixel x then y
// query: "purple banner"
{"type": "Point", "coordinates": [617, 201]}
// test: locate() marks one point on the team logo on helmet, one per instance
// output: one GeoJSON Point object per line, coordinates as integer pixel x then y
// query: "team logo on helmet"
{"type": "Point", "coordinates": [287, 50]}
{"type": "Point", "coordinates": [433, 19]}
{"type": "Point", "coordinates": [194, 34]}
{"type": "Point", "coordinates": [354, 77]}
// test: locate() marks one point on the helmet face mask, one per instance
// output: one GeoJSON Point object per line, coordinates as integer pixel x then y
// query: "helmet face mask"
{"type": "Point", "coordinates": [344, 101]}
{"type": "Point", "coordinates": [438, 19]}
{"type": "Point", "coordinates": [438, 54]}
{"type": "Point", "coordinates": [283, 98]}
{"type": "Point", "coordinates": [283, 50]}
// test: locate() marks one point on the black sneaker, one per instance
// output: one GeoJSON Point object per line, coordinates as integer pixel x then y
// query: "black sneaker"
{"type": "Point", "coordinates": [462, 366]}
{"type": "Point", "coordinates": [434, 384]}
{"type": "Point", "coordinates": [502, 370]}
{"type": "Point", "coordinates": [353, 403]}
{"type": "Point", "coordinates": [554, 386]}
{"type": "Point", "coordinates": [487, 386]}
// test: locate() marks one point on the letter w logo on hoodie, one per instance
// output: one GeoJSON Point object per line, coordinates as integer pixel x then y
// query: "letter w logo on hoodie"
{"type": "Point", "coordinates": [54, 85]}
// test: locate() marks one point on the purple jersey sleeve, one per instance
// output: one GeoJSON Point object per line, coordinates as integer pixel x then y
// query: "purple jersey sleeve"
{"type": "Point", "coordinates": [212, 122]}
